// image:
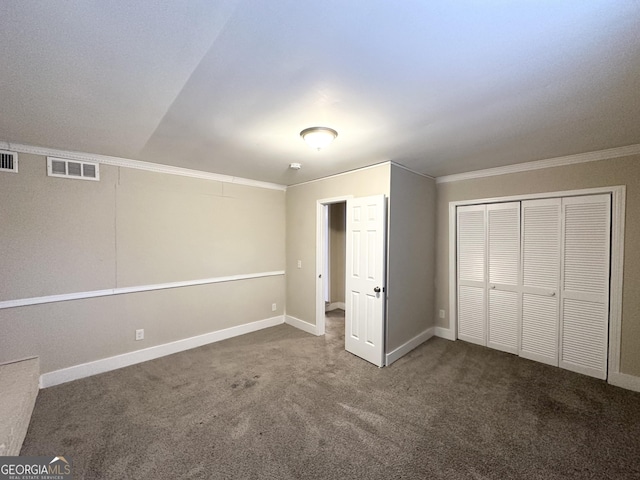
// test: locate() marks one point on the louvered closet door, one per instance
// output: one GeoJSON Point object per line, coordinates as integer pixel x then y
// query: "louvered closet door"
{"type": "Point", "coordinates": [540, 280]}
{"type": "Point", "coordinates": [504, 292]}
{"type": "Point", "coordinates": [472, 256]}
{"type": "Point", "coordinates": [585, 284]}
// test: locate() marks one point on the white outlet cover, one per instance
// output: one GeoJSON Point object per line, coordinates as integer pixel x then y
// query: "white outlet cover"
{"type": "Point", "coordinates": [442, 313]}
{"type": "Point", "coordinates": [140, 334]}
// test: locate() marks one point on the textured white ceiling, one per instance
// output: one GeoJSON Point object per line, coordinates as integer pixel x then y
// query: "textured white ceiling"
{"type": "Point", "coordinates": [441, 87]}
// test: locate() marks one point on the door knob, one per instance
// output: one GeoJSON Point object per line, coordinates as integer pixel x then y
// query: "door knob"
{"type": "Point", "coordinates": [377, 289]}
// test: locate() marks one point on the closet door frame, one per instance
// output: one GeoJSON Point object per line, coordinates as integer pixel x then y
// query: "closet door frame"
{"type": "Point", "coordinates": [618, 197]}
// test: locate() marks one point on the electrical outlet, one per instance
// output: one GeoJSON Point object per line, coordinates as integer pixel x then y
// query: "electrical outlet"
{"type": "Point", "coordinates": [274, 307]}
{"type": "Point", "coordinates": [299, 263]}
{"type": "Point", "coordinates": [442, 313]}
{"type": "Point", "coordinates": [140, 334]}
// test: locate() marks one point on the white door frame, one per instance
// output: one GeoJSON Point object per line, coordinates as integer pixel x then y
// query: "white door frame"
{"type": "Point", "coordinates": [320, 236]}
{"type": "Point", "coordinates": [618, 199]}
{"type": "Point", "coordinates": [326, 253]}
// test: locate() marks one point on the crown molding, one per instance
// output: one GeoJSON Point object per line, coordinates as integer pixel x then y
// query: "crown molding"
{"type": "Point", "coordinates": [347, 172]}
{"type": "Point", "coordinates": [399, 165]}
{"type": "Point", "coordinates": [548, 163]}
{"type": "Point", "coordinates": [137, 164]}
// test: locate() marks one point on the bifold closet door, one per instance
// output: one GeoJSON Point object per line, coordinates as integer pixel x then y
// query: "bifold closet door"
{"type": "Point", "coordinates": [541, 235]}
{"type": "Point", "coordinates": [504, 293]}
{"type": "Point", "coordinates": [584, 313]}
{"type": "Point", "coordinates": [472, 256]}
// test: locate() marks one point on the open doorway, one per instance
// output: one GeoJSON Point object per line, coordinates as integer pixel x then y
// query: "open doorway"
{"type": "Point", "coordinates": [330, 261]}
{"type": "Point", "coordinates": [364, 273]}
{"type": "Point", "coordinates": [335, 256]}
{"type": "Point", "coordinates": [334, 271]}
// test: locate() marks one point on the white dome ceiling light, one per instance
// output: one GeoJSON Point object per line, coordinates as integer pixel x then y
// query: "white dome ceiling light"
{"type": "Point", "coordinates": [318, 137]}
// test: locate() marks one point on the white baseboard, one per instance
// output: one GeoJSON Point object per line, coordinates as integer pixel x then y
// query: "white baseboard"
{"type": "Point", "coordinates": [444, 333]}
{"type": "Point", "coordinates": [119, 361]}
{"type": "Point", "coordinates": [630, 382]}
{"type": "Point", "coordinates": [334, 306]}
{"type": "Point", "coordinates": [402, 350]}
{"type": "Point", "coordinates": [301, 324]}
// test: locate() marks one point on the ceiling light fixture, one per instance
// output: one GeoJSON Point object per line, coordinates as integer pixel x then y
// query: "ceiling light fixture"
{"type": "Point", "coordinates": [318, 137]}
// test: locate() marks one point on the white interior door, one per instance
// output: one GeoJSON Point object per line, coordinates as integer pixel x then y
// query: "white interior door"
{"type": "Point", "coordinates": [365, 278]}
{"type": "Point", "coordinates": [540, 280]}
{"type": "Point", "coordinates": [505, 292]}
{"type": "Point", "coordinates": [584, 318]}
{"type": "Point", "coordinates": [472, 278]}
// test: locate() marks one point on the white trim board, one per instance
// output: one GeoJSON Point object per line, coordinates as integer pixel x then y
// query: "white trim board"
{"type": "Point", "coordinates": [622, 380]}
{"type": "Point", "coordinates": [405, 348]}
{"type": "Point", "coordinates": [137, 164]}
{"type": "Point", "coordinates": [618, 200]}
{"type": "Point", "coordinates": [301, 324]}
{"type": "Point", "coordinates": [138, 356]}
{"type": "Point", "coordinates": [359, 169]}
{"type": "Point", "coordinates": [367, 167]}
{"type": "Point", "coordinates": [547, 163]}
{"type": "Point", "coordinates": [23, 302]}
{"type": "Point", "coordinates": [399, 165]}
{"type": "Point", "coordinates": [445, 333]}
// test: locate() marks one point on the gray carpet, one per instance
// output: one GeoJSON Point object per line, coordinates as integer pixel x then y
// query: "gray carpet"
{"type": "Point", "coordinates": [282, 404]}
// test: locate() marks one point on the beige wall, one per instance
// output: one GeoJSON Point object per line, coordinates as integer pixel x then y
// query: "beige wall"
{"type": "Point", "coordinates": [337, 249]}
{"type": "Point", "coordinates": [172, 228]}
{"type": "Point", "coordinates": [411, 236]}
{"type": "Point", "coordinates": [58, 235]}
{"type": "Point", "coordinates": [411, 250]}
{"type": "Point", "coordinates": [64, 334]}
{"type": "Point", "coordinates": [132, 228]}
{"type": "Point", "coordinates": [622, 171]}
{"type": "Point", "coordinates": [301, 230]}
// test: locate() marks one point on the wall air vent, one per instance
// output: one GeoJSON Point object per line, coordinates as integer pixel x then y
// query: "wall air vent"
{"type": "Point", "coordinates": [8, 161]}
{"type": "Point", "coordinates": [60, 167]}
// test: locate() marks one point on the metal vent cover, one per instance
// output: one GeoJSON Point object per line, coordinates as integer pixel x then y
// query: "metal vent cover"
{"type": "Point", "coordinates": [58, 167]}
{"type": "Point", "coordinates": [8, 161]}
{"type": "Point", "coordinates": [61, 167]}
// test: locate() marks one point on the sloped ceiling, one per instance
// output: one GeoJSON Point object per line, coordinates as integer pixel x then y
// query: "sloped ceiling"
{"type": "Point", "coordinates": [439, 86]}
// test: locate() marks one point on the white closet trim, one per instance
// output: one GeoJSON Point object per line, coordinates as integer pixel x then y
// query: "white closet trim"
{"type": "Point", "coordinates": [618, 198]}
